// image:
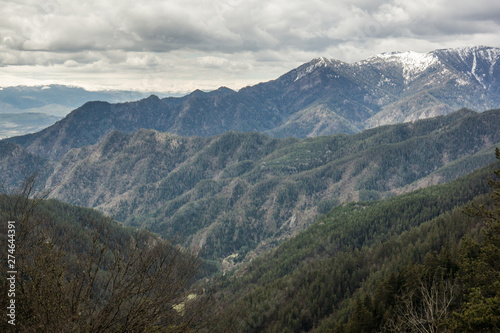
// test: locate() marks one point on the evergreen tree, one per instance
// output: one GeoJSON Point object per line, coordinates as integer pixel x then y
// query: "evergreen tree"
{"type": "Point", "coordinates": [480, 269]}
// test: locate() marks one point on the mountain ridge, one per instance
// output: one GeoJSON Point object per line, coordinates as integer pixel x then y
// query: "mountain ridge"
{"type": "Point", "coordinates": [240, 192]}
{"type": "Point", "coordinates": [318, 98]}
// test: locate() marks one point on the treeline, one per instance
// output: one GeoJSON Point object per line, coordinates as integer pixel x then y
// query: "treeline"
{"type": "Point", "coordinates": [358, 268]}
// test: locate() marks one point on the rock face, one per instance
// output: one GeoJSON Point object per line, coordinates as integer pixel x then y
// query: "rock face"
{"type": "Point", "coordinates": [318, 98]}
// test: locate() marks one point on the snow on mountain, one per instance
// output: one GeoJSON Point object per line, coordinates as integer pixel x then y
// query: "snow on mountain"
{"type": "Point", "coordinates": [478, 61]}
{"type": "Point", "coordinates": [484, 54]}
{"type": "Point", "coordinates": [492, 54]}
{"type": "Point", "coordinates": [412, 63]}
{"type": "Point", "coordinates": [322, 97]}
{"type": "Point", "coordinates": [315, 63]}
{"type": "Point", "coordinates": [467, 65]}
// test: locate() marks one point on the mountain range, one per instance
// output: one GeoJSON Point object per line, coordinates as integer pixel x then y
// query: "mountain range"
{"type": "Point", "coordinates": [178, 167]}
{"type": "Point", "coordinates": [321, 97]}
{"type": "Point", "coordinates": [13, 124]}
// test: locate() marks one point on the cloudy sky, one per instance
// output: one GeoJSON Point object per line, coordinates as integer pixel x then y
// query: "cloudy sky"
{"type": "Point", "coordinates": [182, 45]}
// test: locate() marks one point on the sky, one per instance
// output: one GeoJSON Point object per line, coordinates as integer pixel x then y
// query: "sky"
{"type": "Point", "coordinates": [178, 46]}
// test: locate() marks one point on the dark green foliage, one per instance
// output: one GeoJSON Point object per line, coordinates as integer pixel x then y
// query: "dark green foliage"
{"type": "Point", "coordinates": [326, 205]}
{"type": "Point", "coordinates": [237, 190]}
{"type": "Point", "coordinates": [346, 272]}
{"type": "Point", "coordinates": [479, 263]}
{"type": "Point", "coordinates": [464, 282]}
{"type": "Point", "coordinates": [368, 195]}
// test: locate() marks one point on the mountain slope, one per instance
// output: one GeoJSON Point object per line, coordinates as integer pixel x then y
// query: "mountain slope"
{"type": "Point", "coordinates": [83, 272]}
{"type": "Point", "coordinates": [16, 164]}
{"type": "Point", "coordinates": [318, 98]}
{"type": "Point", "coordinates": [314, 281]}
{"type": "Point", "coordinates": [236, 192]}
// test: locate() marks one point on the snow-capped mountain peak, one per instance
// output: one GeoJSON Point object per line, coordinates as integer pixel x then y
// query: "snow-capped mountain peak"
{"type": "Point", "coordinates": [412, 63]}
{"type": "Point", "coordinates": [487, 52]}
{"type": "Point", "coordinates": [311, 66]}
{"type": "Point", "coordinates": [477, 62]}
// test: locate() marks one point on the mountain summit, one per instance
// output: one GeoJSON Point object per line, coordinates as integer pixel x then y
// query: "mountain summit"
{"type": "Point", "coordinates": [322, 97]}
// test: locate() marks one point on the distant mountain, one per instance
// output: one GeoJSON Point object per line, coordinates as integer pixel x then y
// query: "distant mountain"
{"type": "Point", "coordinates": [29, 109]}
{"type": "Point", "coordinates": [237, 192]}
{"type": "Point", "coordinates": [12, 124]}
{"type": "Point", "coordinates": [55, 98]}
{"type": "Point", "coordinates": [318, 98]}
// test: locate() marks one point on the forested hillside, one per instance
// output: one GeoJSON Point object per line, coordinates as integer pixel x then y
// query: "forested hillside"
{"type": "Point", "coordinates": [414, 260]}
{"type": "Point", "coordinates": [238, 192]}
{"type": "Point", "coordinates": [427, 259]}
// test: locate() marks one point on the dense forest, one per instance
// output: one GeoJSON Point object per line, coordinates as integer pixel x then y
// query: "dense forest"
{"type": "Point", "coordinates": [235, 195]}
{"type": "Point", "coordinates": [427, 261]}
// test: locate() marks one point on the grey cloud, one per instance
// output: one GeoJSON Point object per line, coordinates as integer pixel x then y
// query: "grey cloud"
{"type": "Point", "coordinates": [237, 26]}
{"type": "Point", "coordinates": [228, 36]}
